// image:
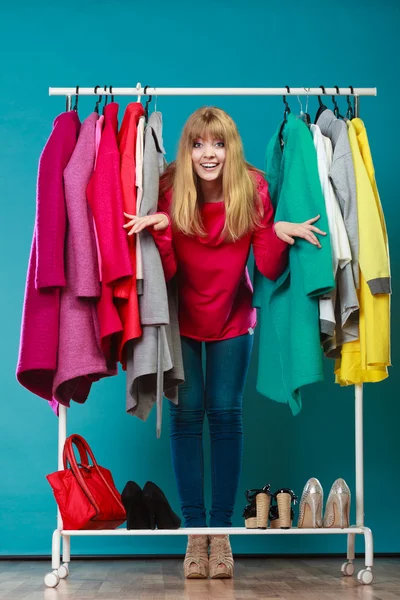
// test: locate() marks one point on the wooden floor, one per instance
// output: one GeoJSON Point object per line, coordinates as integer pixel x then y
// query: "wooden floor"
{"type": "Point", "coordinates": [151, 579]}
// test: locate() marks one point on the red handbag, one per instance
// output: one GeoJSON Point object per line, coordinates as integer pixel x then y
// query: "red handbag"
{"type": "Point", "coordinates": [86, 494]}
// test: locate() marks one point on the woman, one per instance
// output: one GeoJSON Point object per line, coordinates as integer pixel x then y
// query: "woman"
{"type": "Point", "coordinates": [213, 207]}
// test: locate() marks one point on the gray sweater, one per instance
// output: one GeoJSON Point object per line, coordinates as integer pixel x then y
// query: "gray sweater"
{"type": "Point", "coordinates": [154, 361]}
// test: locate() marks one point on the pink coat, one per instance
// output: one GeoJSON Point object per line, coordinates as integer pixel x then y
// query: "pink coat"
{"type": "Point", "coordinates": [80, 358]}
{"type": "Point", "coordinates": [104, 194]}
{"type": "Point", "coordinates": [37, 359]}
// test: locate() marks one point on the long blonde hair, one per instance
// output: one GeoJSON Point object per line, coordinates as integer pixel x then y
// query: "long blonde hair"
{"type": "Point", "coordinates": [242, 204]}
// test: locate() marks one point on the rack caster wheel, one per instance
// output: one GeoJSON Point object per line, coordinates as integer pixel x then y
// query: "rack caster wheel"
{"type": "Point", "coordinates": [365, 576]}
{"type": "Point", "coordinates": [347, 569]}
{"type": "Point", "coordinates": [63, 571]}
{"type": "Point", "coordinates": [52, 579]}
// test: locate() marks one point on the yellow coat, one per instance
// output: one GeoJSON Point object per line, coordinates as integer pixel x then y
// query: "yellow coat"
{"type": "Point", "coordinates": [367, 359]}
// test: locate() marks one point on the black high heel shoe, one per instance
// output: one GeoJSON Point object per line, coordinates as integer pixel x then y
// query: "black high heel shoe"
{"type": "Point", "coordinates": [161, 513]}
{"type": "Point", "coordinates": [281, 515]}
{"type": "Point", "coordinates": [137, 511]}
{"type": "Point", "coordinates": [257, 511]}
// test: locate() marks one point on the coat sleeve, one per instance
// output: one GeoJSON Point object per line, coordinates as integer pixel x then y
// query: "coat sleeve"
{"type": "Point", "coordinates": [373, 257]}
{"type": "Point", "coordinates": [301, 199]}
{"type": "Point", "coordinates": [163, 241]}
{"type": "Point", "coordinates": [51, 212]}
{"type": "Point", "coordinates": [105, 198]}
{"type": "Point", "coordinates": [270, 253]}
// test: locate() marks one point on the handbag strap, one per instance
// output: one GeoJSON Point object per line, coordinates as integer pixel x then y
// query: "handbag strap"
{"type": "Point", "coordinates": [84, 447]}
{"type": "Point", "coordinates": [81, 449]}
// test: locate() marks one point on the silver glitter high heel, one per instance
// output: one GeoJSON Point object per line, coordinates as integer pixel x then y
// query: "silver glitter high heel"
{"type": "Point", "coordinates": [337, 510]}
{"type": "Point", "coordinates": [310, 510]}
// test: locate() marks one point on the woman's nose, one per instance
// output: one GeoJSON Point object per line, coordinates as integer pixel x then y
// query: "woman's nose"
{"type": "Point", "coordinates": [209, 152]}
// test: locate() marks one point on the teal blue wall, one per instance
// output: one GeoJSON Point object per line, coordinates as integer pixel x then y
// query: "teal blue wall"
{"type": "Point", "coordinates": [225, 43]}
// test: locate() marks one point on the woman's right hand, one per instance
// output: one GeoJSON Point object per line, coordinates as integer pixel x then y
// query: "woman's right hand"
{"type": "Point", "coordinates": [158, 221]}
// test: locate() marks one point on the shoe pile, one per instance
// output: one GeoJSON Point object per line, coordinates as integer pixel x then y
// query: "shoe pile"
{"type": "Point", "coordinates": [261, 507]}
{"type": "Point", "coordinates": [278, 508]}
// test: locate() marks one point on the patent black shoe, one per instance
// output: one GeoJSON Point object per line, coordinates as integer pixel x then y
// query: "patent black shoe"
{"type": "Point", "coordinates": [161, 514]}
{"type": "Point", "coordinates": [137, 512]}
{"type": "Point", "coordinates": [259, 502]}
{"type": "Point", "coordinates": [283, 514]}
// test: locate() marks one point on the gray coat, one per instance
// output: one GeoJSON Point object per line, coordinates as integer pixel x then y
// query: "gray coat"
{"type": "Point", "coordinates": [154, 361]}
{"type": "Point", "coordinates": [342, 177]}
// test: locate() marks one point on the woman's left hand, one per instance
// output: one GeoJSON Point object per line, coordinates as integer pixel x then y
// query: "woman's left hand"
{"type": "Point", "coordinates": [288, 231]}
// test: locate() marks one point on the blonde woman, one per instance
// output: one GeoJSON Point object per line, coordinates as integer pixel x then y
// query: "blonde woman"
{"type": "Point", "coordinates": [213, 208]}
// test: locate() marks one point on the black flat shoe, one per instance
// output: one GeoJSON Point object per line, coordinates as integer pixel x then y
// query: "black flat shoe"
{"type": "Point", "coordinates": [137, 512]}
{"type": "Point", "coordinates": [161, 514]}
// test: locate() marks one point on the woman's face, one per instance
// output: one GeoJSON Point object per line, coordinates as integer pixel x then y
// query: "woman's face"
{"type": "Point", "coordinates": [208, 157]}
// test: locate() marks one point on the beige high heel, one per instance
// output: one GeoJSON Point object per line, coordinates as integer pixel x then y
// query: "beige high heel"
{"type": "Point", "coordinates": [195, 565]}
{"type": "Point", "coordinates": [337, 510]}
{"type": "Point", "coordinates": [284, 498]}
{"type": "Point", "coordinates": [221, 559]}
{"type": "Point", "coordinates": [310, 510]}
{"type": "Point", "coordinates": [257, 511]}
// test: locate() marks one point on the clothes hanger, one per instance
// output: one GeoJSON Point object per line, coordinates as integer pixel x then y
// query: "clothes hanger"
{"type": "Point", "coordinates": [350, 110]}
{"type": "Point", "coordinates": [285, 114]}
{"type": "Point", "coordinates": [111, 92]}
{"type": "Point", "coordinates": [146, 108]}
{"type": "Point", "coordinates": [75, 108]}
{"type": "Point", "coordinates": [336, 110]}
{"type": "Point", "coordinates": [322, 106]}
{"type": "Point", "coordinates": [105, 99]}
{"type": "Point", "coordinates": [304, 116]}
{"type": "Point", "coordinates": [138, 87]}
{"type": "Point", "coordinates": [96, 108]}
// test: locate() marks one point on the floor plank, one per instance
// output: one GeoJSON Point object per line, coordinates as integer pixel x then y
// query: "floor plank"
{"type": "Point", "coordinates": [155, 579]}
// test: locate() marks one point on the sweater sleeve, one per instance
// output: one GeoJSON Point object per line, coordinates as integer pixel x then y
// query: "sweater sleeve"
{"type": "Point", "coordinates": [163, 241]}
{"type": "Point", "coordinates": [270, 253]}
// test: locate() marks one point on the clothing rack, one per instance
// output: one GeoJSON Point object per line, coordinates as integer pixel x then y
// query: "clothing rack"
{"type": "Point", "coordinates": [365, 575]}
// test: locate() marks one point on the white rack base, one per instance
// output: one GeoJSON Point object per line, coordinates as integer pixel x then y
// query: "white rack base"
{"type": "Point", "coordinates": [61, 571]}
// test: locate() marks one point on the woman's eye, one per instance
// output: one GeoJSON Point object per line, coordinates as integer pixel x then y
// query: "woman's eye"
{"type": "Point", "coordinates": [196, 145]}
{"type": "Point", "coordinates": [221, 144]}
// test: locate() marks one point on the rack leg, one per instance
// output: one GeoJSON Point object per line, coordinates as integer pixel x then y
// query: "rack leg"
{"type": "Point", "coordinates": [63, 571]}
{"type": "Point", "coordinates": [365, 576]}
{"type": "Point", "coordinates": [52, 579]}
{"type": "Point", "coordinates": [369, 548]}
{"type": "Point", "coordinates": [348, 566]}
{"type": "Point", "coordinates": [350, 546]}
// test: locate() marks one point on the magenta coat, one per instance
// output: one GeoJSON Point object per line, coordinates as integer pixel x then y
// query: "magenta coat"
{"type": "Point", "coordinates": [80, 357]}
{"type": "Point", "coordinates": [37, 359]}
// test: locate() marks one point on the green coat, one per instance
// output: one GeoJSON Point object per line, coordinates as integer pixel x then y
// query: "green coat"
{"type": "Point", "coordinates": [290, 353]}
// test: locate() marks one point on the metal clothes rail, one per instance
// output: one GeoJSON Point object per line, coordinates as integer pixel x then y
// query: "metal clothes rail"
{"type": "Point", "coordinates": [365, 575]}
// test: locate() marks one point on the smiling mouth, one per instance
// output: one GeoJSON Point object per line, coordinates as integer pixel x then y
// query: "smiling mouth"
{"type": "Point", "coordinates": [209, 166]}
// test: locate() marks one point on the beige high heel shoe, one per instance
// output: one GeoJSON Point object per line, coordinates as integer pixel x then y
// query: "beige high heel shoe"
{"type": "Point", "coordinates": [337, 510]}
{"type": "Point", "coordinates": [195, 565]}
{"type": "Point", "coordinates": [310, 510]}
{"type": "Point", "coordinates": [221, 559]}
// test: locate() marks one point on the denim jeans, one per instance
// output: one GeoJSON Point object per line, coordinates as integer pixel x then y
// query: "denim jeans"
{"type": "Point", "coordinates": [219, 395]}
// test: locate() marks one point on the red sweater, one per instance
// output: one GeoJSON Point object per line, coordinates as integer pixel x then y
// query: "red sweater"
{"type": "Point", "coordinates": [215, 292]}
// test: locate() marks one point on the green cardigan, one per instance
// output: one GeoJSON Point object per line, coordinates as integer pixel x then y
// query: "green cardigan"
{"type": "Point", "coordinates": [290, 353]}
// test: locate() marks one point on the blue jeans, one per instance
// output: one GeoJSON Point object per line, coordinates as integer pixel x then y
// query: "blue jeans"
{"type": "Point", "coordinates": [219, 395]}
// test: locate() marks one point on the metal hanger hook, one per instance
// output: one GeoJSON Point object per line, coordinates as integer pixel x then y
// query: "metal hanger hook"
{"type": "Point", "coordinates": [319, 97]}
{"type": "Point", "coordinates": [96, 108]}
{"type": "Point", "coordinates": [336, 109]}
{"type": "Point", "coordinates": [75, 108]}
